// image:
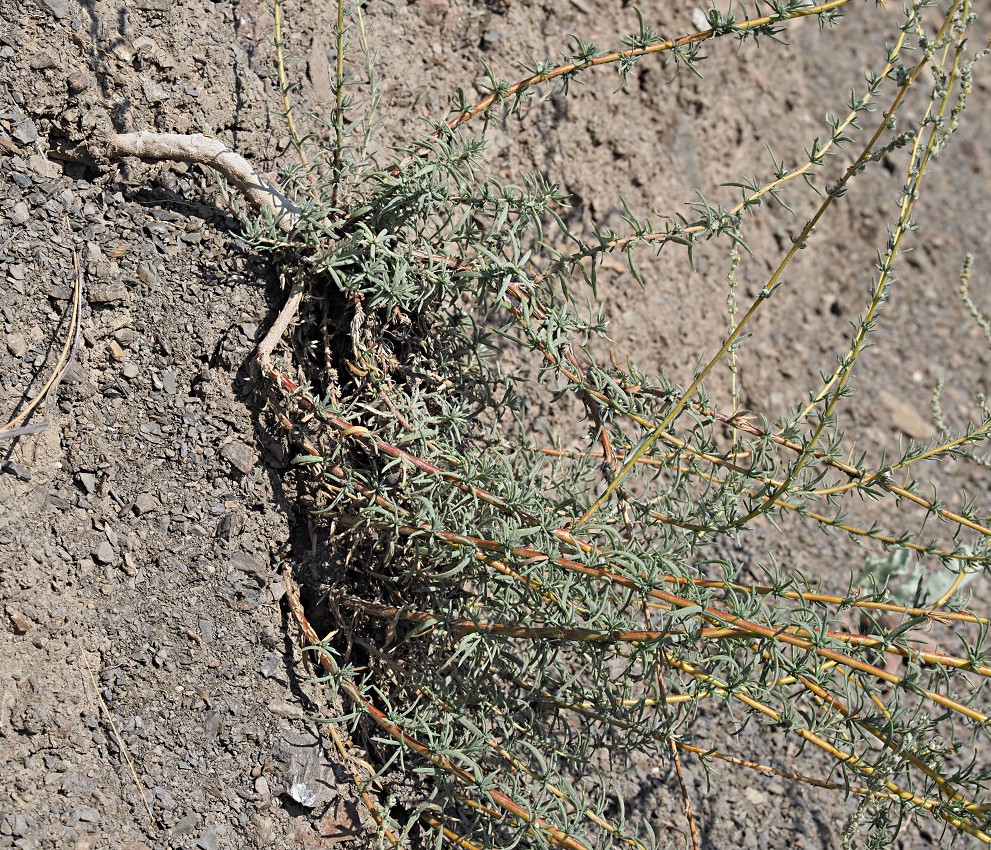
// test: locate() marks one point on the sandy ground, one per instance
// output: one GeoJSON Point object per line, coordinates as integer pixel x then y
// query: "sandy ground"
{"type": "Point", "coordinates": [142, 531]}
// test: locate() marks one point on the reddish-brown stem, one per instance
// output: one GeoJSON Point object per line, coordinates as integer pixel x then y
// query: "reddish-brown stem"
{"type": "Point", "coordinates": [353, 692]}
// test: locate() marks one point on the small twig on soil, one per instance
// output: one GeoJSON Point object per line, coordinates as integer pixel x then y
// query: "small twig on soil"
{"type": "Point", "coordinates": [117, 737]}
{"type": "Point", "coordinates": [312, 643]}
{"type": "Point", "coordinates": [15, 427]}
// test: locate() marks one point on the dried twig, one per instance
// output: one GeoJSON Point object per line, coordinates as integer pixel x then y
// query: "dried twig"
{"type": "Point", "coordinates": [15, 427]}
{"type": "Point", "coordinates": [117, 737]}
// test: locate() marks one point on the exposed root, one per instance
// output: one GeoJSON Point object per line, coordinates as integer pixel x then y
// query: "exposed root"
{"type": "Point", "coordinates": [259, 192]}
{"type": "Point", "coordinates": [203, 150]}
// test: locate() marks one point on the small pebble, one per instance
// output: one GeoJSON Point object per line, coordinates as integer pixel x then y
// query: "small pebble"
{"type": "Point", "coordinates": [240, 456]}
{"type": "Point", "coordinates": [78, 82]}
{"type": "Point", "coordinates": [18, 825]}
{"type": "Point", "coordinates": [84, 814]}
{"type": "Point", "coordinates": [262, 788]}
{"type": "Point", "coordinates": [265, 830]}
{"type": "Point", "coordinates": [43, 166]}
{"type": "Point", "coordinates": [88, 480]}
{"type": "Point", "coordinates": [25, 132]}
{"type": "Point", "coordinates": [145, 503]}
{"type": "Point", "coordinates": [19, 214]}
{"type": "Point", "coordinates": [186, 825]}
{"type": "Point", "coordinates": [42, 61]}
{"type": "Point", "coordinates": [15, 469]}
{"type": "Point", "coordinates": [56, 8]}
{"type": "Point", "coordinates": [288, 711]}
{"type": "Point", "coordinates": [104, 553]}
{"type": "Point", "coordinates": [16, 344]}
{"type": "Point", "coordinates": [111, 293]}
{"type": "Point", "coordinates": [154, 93]}
{"type": "Point", "coordinates": [20, 623]}
{"type": "Point", "coordinates": [249, 564]}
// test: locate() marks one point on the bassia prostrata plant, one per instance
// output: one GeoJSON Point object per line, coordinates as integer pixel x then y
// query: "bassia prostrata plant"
{"type": "Point", "coordinates": [513, 611]}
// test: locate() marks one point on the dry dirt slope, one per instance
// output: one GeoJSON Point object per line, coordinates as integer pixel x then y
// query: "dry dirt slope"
{"type": "Point", "coordinates": [141, 531]}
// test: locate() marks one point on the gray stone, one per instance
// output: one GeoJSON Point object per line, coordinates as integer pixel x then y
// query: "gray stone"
{"type": "Point", "coordinates": [43, 166]}
{"type": "Point", "coordinates": [209, 840]}
{"type": "Point", "coordinates": [154, 93]}
{"type": "Point", "coordinates": [229, 527]}
{"type": "Point", "coordinates": [281, 708]}
{"type": "Point", "coordinates": [211, 725]}
{"type": "Point", "coordinates": [19, 824]}
{"type": "Point", "coordinates": [264, 830]}
{"type": "Point", "coordinates": [77, 382]}
{"type": "Point", "coordinates": [19, 214]}
{"type": "Point", "coordinates": [306, 770]}
{"type": "Point", "coordinates": [104, 553]}
{"type": "Point", "coordinates": [25, 133]}
{"type": "Point", "coordinates": [249, 564]}
{"type": "Point", "coordinates": [130, 371]}
{"type": "Point", "coordinates": [186, 825]}
{"type": "Point", "coordinates": [15, 469]}
{"type": "Point", "coordinates": [111, 293]}
{"type": "Point", "coordinates": [88, 480]}
{"type": "Point", "coordinates": [146, 274]}
{"type": "Point", "coordinates": [83, 814]}
{"type": "Point", "coordinates": [168, 382]}
{"type": "Point", "coordinates": [78, 82]}
{"type": "Point", "coordinates": [58, 9]}
{"type": "Point", "coordinates": [42, 61]}
{"type": "Point", "coordinates": [87, 814]}
{"type": "Point", "coordinates": [20, 623]}
{"type": "Point", "coordinates": [262, 788]}
{"type": "Point", "coordinates": [164, 798]}
{"type": "Point", "coordinates": [145, 503]}
{"type": "Point", "coordinates": [16, 344]}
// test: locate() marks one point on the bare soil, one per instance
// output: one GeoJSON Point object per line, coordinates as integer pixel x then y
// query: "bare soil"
{"type": "Point", "coordinates": [142, 531]}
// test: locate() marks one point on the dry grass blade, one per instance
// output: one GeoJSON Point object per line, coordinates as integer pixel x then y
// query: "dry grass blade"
{"type": "Point", "coordinates": [16, 427]}
{"type": "Point", "coordinates": [120, 741]}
